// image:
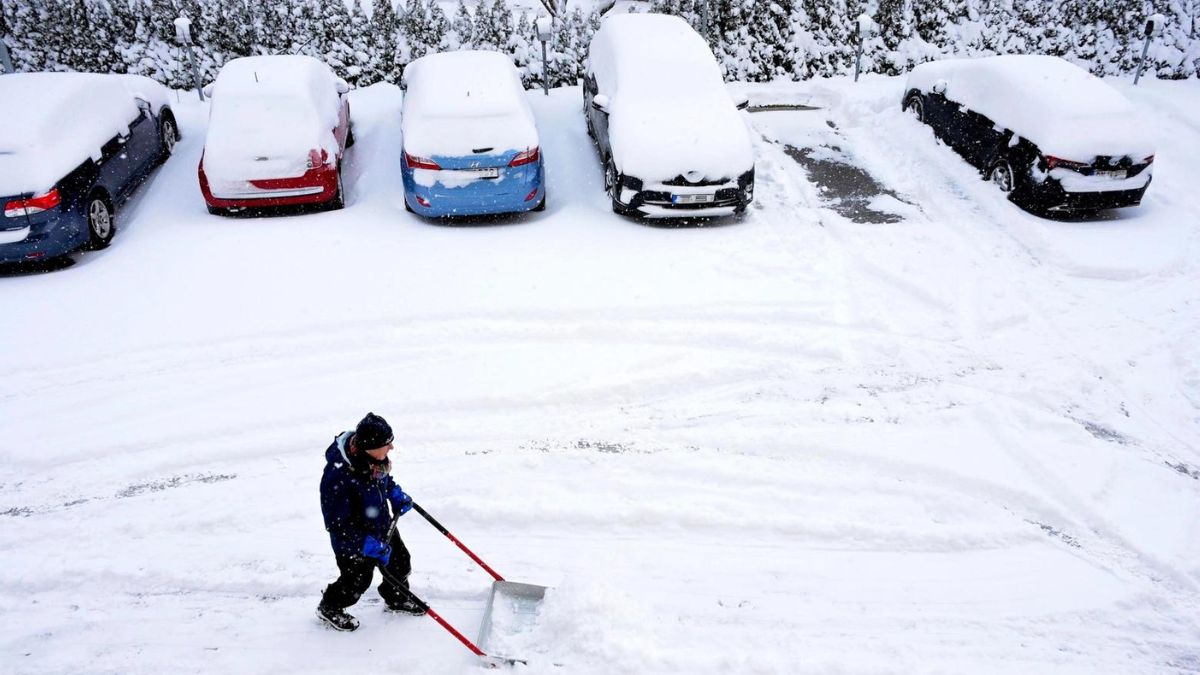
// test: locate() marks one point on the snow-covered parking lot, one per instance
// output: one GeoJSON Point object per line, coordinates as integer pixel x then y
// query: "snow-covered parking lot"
{"type": "Point", "coordinates": [960, 438]}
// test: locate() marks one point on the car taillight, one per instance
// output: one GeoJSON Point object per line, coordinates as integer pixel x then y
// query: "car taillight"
{"type": "Point", "coordinates": [1148, 160]}
{"type": "Point", "coordinates": [415, 162]}
{"type": "Point", "coordinates": [38, 204]}
{"type": "Point", "coordinates": [317, 158]}
{"type": "Point", "coordinates": [1053, 162]}
{"type": "Point", "coordinates": [528, 157]}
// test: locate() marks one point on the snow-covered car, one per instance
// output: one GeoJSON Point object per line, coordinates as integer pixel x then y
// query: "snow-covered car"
{"type": "Point", "coordinates": [1048, 133]}
{"type": "Point", "coordinates": [277, 130]}
{"type": "Point", "coordinates": [73, 146]}
{"type": "Point", "coordinates": [671, 138]}
{"type": "Point", "coordinates": [470, 142]}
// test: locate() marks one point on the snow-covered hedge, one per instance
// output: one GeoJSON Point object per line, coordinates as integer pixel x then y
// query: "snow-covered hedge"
{"type": "Point", "coordinates": [754, 40]}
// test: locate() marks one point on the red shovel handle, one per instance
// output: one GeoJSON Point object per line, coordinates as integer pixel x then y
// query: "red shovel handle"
{"type": "Point", "coordinates": [433, 521]}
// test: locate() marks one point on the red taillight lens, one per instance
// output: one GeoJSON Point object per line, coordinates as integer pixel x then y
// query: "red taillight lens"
{"type": "Point", "coordinates": [415, 162]}
{"type": "Point", "coordinates": [528, 157]}
{"type": "Point", "coordinates": [317, 157]}
{"type": "Point", "coordinates": [28, 207]}
{"type": "Point", "coordinates": [1149, 160]}
{"type": "Point", "coordinates": [1054, 162]}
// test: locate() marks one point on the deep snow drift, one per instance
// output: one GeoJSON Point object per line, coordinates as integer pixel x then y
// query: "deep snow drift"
{"type": "Point", "coordinates": [962, 441]}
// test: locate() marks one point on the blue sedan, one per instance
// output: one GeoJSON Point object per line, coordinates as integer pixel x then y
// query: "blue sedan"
{"type": "Point", "coordinates": [73, 148]}
{"type": "Point", "coordinates": [470, 142]}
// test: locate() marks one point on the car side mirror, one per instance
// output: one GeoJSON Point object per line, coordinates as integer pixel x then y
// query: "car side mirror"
{"type": "Point", "coordinates": [600, 102]}
{"type": "Point", "coordinates": [342, 86]}
{"type": "Point", "coordinates": [939, 87]}
{"type": "Point", "coordinates": [208, 89]}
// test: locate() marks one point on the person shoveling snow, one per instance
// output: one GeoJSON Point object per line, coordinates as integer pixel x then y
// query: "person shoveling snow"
{"type": "Point", "coordinates": [356, 492]}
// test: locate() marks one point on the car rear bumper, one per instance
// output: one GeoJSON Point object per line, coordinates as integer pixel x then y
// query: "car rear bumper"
{"type": "Point", "coordinates": [523, 191]}
{"type": "Point", "coordinates": [43, 241]}
{"type": "Point", "coordinates": [316, 186]}
{"type": "Point", "coordinates": [1051, 196]}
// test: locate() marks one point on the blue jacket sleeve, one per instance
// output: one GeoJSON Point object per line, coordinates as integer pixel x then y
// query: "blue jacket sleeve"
{"type": "Point", "coordinates": [336, 494]}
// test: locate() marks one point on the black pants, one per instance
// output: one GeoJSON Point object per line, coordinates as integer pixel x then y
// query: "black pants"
{"type": "Point", "coordinates": [357, 571]}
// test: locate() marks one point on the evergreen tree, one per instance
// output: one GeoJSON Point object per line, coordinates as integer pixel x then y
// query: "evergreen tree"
{"type": "Point", "coordinates": [463, 26]}
{"type": "Point", "coordinates": [333, 31]}
{"type": "Point", "coordinates": [384, 47]}
{"type": "Point", "coordinates": [360, 46]}
{"type": "Point", "coordinates": [484, 32]}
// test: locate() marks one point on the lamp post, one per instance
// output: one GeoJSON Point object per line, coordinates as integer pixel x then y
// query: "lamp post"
{"type": "Point", "coordinates": [1154, 26]}
{"type": "Point", "coordinates": [865, 28]}
{"type": "Point", "coordinates": [183, 34]}
{"type": "Point", "coordinates": [6, 64]}
{"type": "Point", "coordinates": [544, 27]}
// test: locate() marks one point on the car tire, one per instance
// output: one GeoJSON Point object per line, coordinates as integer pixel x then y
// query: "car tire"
{"type": "Point", "coordinates": [915, 107]}
{"type": "Point", "coordinates": [1002, 175]}
{"type": "Point", "coordinates": [216, 210]}
{"type": "Point", "coordinates": [349, 135]}
{"type": "Point", "coordinates": [541, 205]}
{"type": "Point", "coordinates": [170, 134]}
{"type": "Point", "coordinates": [339, 197]}
{"type": "Point", "coordinates": [100, 220]}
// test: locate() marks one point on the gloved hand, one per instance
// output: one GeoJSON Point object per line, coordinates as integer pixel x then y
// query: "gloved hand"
{"type": "Point", "coordinates": [373, 548]}
{"type": "Point", "coordinates": [401, 502]}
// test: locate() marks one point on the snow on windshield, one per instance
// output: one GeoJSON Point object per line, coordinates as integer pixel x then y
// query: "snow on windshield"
{"type": "Point", "coordinates": [45, 136]}
{"type": "Point", "coordinates": [456, 102]}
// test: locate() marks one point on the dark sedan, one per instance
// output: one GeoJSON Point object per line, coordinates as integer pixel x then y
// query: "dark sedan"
{"type": "Point", "coordinates": [73, 148]}
{"type": "Point", "coordinates": [1046, 132]}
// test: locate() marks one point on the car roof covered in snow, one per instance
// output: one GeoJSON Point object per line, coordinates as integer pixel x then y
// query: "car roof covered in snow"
{"type": "Point", "coordinates": [457, 101]}
{"type": "Point", "coordinates": [670, 112]}
{"type": "Point", "coordinates": [1065, 110]}
{"type": "Point", "coordinates": [267, 110]}
{"type": "Point", "coordinates": [53, 122]}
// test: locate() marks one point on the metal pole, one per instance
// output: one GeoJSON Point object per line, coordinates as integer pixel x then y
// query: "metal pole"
{"type": "Point", "coordinates": [6, 64]}
{"type": "Point", "coordinates": [195, 71]}
{"type": "Point", "coordinates": [858, 51]}
{"type": "Point", "coordinates": [1142, 61]}
{"type": "Point", "coordinates": [545, 70]}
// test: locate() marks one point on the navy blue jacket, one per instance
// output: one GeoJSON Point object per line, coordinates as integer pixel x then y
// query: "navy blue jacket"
{"type": "Point", "coordinates": [353, 500]}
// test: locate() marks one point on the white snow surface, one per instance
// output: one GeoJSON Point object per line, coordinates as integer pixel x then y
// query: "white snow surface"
{"type": "Point", "coordinates": [268, 113]}
{"type": "Point", "coordinates": [1065, 110]}
{"type": "Point", "coordinates": [51, 123]}
{"type": "Point", "coordinates": [961, 442]}
{"type": "Point", "coordinates": [669, 112]}
{"type": "Point", "coordinates": [457, 102]}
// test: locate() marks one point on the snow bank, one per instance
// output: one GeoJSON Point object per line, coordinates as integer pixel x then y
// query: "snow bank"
{"type": "Point", "coordinates": [44, 135]}
{"type": "Point", "coordinates": [669, 111]}
{"type": "Point", "coordinates": [267, 113]}
{"type": "Point", "coordinates": [1065, 110]}
{"type": "Point", "coordinates": [458, 102]}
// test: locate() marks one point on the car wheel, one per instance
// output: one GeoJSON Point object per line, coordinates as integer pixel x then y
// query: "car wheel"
{"type": "Point", "coordinates": [407, 207]}
{"type": "Point", "coordinates": [350, 135]}
{"type": "Point", "coordinates": [1003, 176]}
{"type": "Point", "coordinates": [216, 210]}
{"type": "Point", "coordinates": [915, 107]}
{"type": "Point", "coordinates": [169, 135]}
{"type": "Point", "coordinates": [101, 227]}
{"type": "Point", "coordinates": [339, 197]}
{"type": "Point", "coordinates": [541, 205]}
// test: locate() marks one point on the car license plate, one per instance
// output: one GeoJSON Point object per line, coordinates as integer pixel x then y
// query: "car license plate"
{"type": "Point", "coordinates": [1118, 174]}
{"type": "Point", "coordinates": [692, 199]}
{"type": "Point", "coordinates": [493, 172]}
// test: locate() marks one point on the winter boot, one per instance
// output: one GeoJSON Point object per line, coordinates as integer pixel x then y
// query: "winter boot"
{"type": "Point", "coordinates": [337, 619]}
{"type": "Point", "coordinates": [406, 606]}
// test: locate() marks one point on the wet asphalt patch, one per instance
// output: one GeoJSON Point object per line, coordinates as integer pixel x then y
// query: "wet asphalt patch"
{"type": "Point", "coordinates": [848, 189]}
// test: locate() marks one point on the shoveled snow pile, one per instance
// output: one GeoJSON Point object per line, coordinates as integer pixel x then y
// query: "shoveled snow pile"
{"type": "Point", "coordinates": [268, 113]}
{"type": "Point", "coordinates": [458, 103]}
{"type": "Point", "coordinates": [1065, 110]}
{"type": "Point", "coordinates": [51, 123]}
{"type": "Point", "coordinates": [669, 110]}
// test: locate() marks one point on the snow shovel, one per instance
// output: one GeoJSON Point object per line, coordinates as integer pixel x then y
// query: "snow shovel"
{"type": "Point", "coordinates": [521, 599]}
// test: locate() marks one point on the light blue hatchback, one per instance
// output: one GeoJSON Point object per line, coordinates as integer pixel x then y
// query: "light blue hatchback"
{"type": "Point", "coordinates": [470, 142]}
